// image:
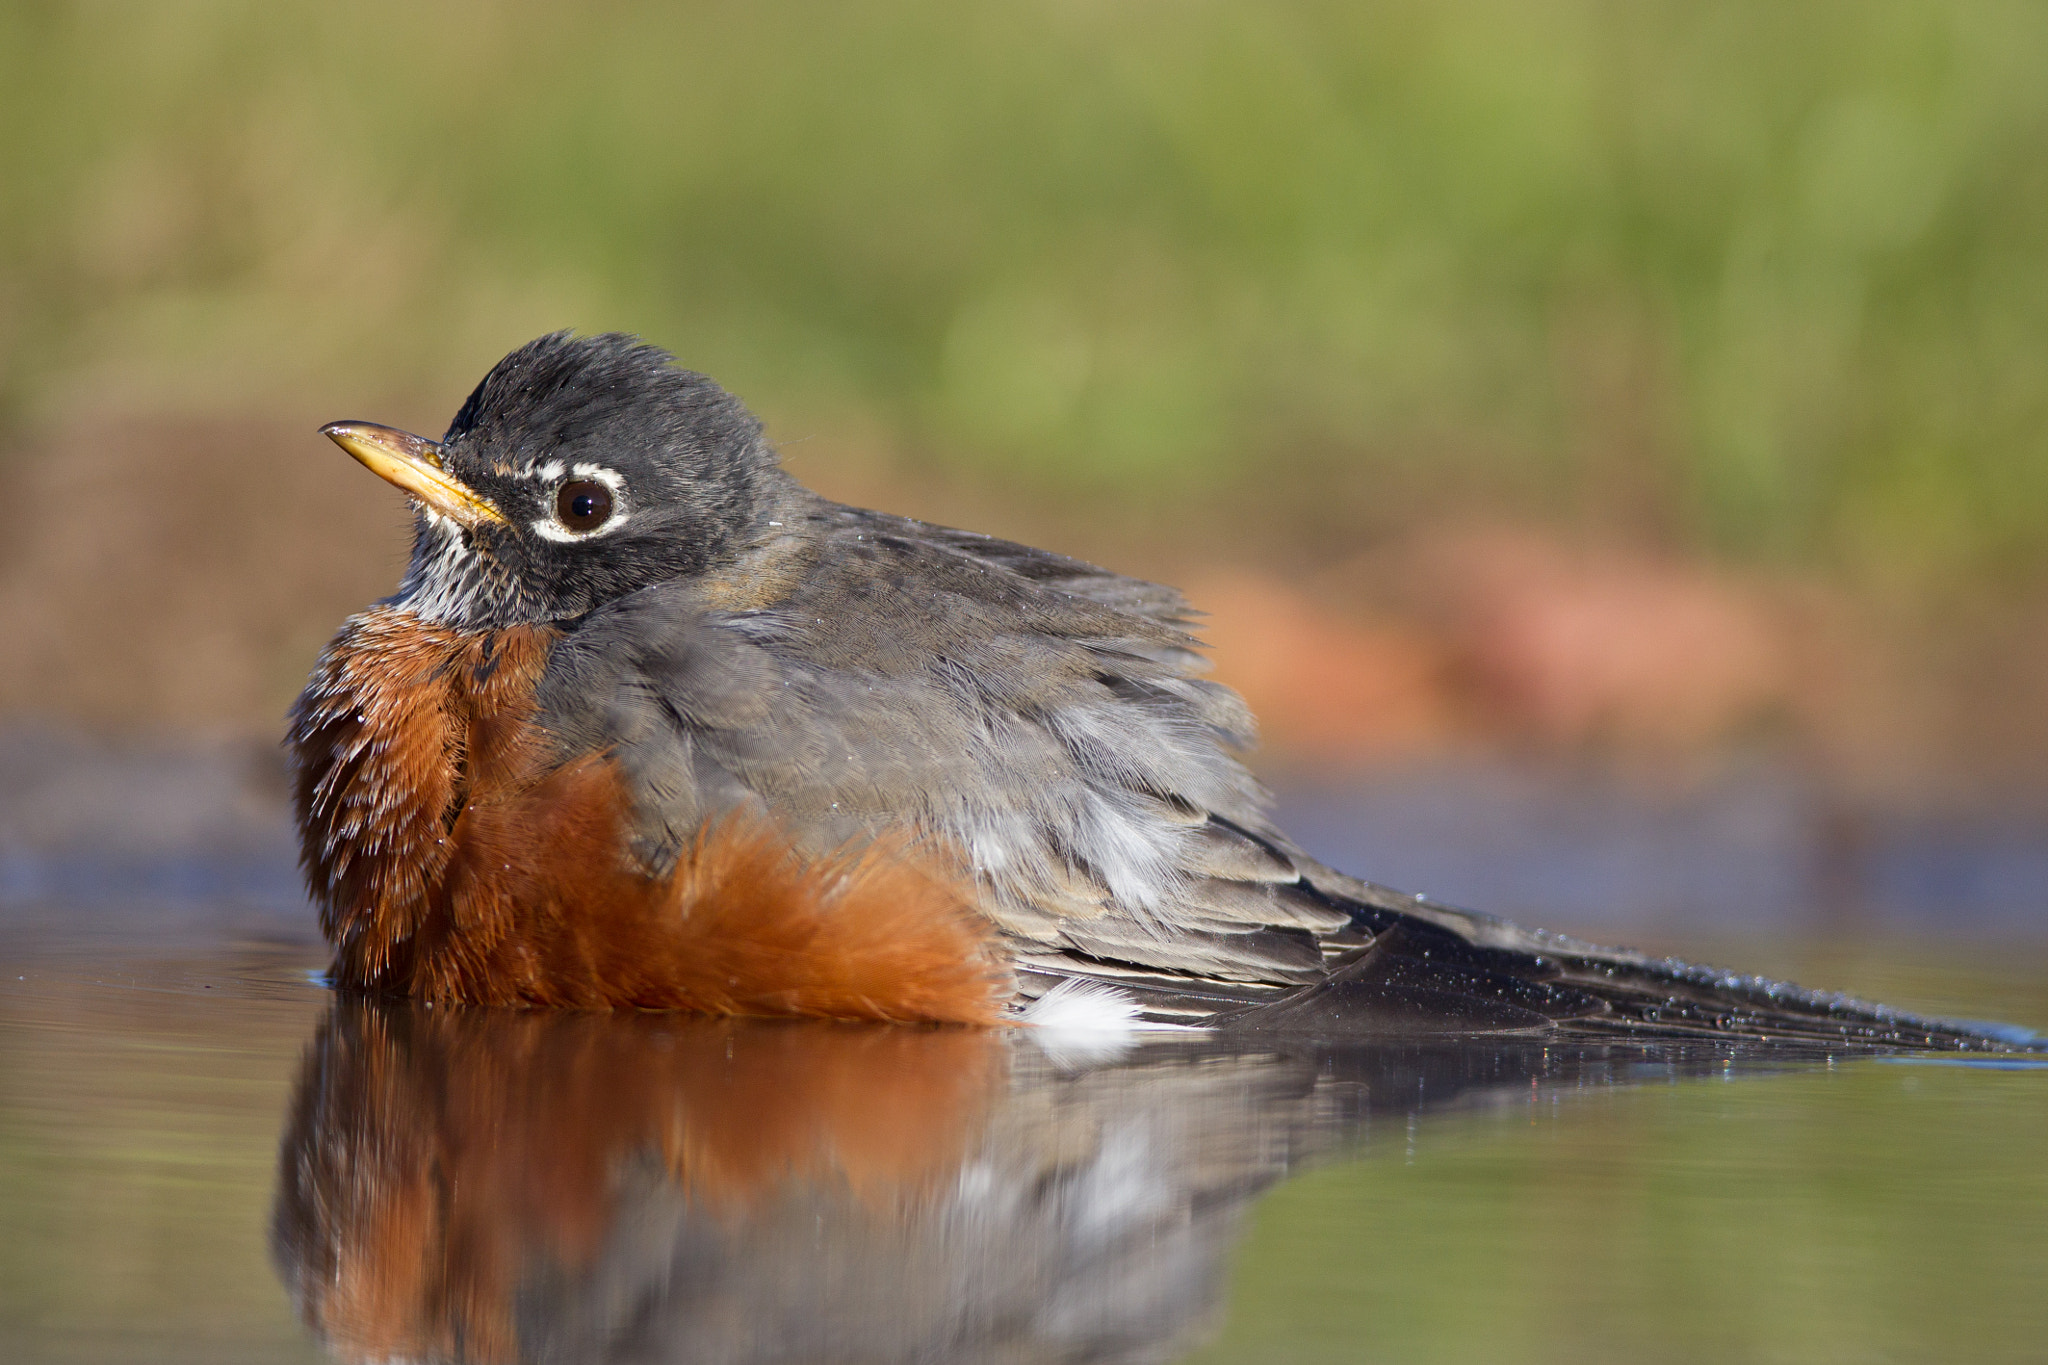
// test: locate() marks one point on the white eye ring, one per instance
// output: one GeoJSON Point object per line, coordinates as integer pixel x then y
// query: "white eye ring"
{"type": "Point", "coordinates": [550, 527]}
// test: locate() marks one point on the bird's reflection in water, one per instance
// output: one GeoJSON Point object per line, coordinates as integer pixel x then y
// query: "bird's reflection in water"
{"type": "Point", "coordinates": [494, 1187]}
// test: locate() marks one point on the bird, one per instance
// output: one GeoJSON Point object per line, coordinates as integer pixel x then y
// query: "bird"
{"type": "Point", "coordinates": [649, 724]}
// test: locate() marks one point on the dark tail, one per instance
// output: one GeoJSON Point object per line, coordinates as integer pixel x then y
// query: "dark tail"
{"type": "Point", "coordinates": [1431, 969]}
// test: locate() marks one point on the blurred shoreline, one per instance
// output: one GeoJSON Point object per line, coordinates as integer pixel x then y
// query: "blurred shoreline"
{"type": "Point", "coordinates": [171, 837]}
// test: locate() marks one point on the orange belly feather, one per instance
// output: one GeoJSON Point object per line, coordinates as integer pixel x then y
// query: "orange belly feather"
{"type": "Point", "coordinates": [458, 858]}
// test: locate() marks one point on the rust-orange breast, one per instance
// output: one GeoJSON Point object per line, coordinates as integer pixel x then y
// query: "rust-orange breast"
{"type": "Point", "coordinates": [457, 856]}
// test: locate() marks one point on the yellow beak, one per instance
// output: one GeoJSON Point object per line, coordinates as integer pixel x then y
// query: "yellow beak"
{"type": "Point", "coordinates": [414, 464]}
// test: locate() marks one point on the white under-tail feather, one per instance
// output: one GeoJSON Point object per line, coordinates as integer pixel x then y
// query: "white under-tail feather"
{"type": "Point", "coordinates": [1077, 1005]}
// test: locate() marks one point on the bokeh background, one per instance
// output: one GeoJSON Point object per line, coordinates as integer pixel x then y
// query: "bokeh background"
{"type": "Point", "coordinates": [1611, 436]}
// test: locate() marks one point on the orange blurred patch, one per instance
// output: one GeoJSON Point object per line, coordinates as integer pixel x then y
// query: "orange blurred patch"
{"type": "Point", "coordinates": [1501, 634]}
{"type": "Point", "coordinates": [1572, 646]}
{"type": "Point", "coordinates": [1325, 684]}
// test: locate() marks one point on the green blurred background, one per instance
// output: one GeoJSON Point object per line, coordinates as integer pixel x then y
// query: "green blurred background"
{"type": "Point", "coordinates": [1318, 305]}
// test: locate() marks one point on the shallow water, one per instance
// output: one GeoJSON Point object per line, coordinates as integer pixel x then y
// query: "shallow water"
{"type": "Point", "coordinates": [205, 1156]}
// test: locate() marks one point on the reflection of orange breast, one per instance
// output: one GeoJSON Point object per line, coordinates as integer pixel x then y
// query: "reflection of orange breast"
{"type": "Point", "coordinates": [436, 1162]}
{"type": "Point", "coordinates": [458, 858]}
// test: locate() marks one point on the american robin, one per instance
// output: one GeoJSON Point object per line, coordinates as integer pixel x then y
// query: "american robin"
{"type": "Point", "coordinates": [650, 724]}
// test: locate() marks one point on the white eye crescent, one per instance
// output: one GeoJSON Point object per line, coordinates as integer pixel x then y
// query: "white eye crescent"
{"type": "Point", "coordinates": [589, 502]}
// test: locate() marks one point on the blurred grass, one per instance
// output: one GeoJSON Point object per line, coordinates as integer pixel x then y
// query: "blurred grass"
{"type": "Point", "coordinates": [1759, 281]}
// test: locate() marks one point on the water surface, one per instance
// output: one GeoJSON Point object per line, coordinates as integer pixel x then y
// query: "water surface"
{"type": "Point", "coordinates": [205, 1156]}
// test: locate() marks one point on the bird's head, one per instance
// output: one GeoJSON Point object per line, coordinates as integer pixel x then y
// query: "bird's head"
{"type": "Point", "coordinates": [581, 469]}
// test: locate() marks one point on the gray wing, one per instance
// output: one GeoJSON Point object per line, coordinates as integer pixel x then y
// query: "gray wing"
{"type": "Point", "coordinates": [1043, 716]}
{"type": "Point", "coordinates": [1154, 602]}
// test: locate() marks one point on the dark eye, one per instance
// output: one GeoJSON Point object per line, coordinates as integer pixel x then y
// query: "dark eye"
{"type": "Point", "coordinates": [583, 504]}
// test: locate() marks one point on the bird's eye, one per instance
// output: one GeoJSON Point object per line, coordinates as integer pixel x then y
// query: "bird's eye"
{"type": "Point", "coordinates": [583, 504]}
